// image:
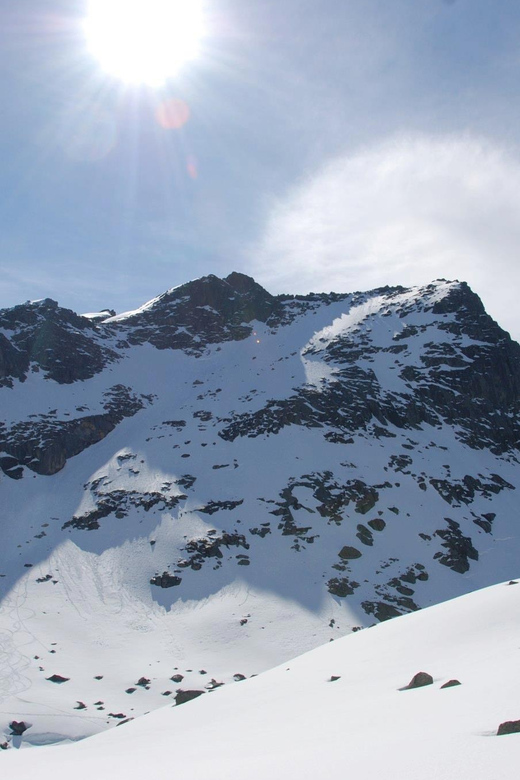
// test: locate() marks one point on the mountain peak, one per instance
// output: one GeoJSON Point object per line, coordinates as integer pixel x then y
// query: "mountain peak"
{"type": "Point", "coordinates": [204, 311]}
{"type": "Point", "coordinates": [241, 282]}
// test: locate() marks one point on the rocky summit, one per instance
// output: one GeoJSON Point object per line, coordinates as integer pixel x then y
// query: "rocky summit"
{"type": "Point", "coordinates": [207, 486]}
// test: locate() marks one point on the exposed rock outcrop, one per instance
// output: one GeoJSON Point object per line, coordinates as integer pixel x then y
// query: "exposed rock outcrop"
{"type": "Point", "coordinates": [419, 680]}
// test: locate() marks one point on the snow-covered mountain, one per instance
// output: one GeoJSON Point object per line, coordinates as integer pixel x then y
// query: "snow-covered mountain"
{"type": "Point", "coordinates": [344, 709]}
{"type": "Point", "coordinates": [203, 488]}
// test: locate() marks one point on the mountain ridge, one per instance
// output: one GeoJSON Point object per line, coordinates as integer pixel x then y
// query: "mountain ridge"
{"type": "Point", "coordinates": [223, 479]}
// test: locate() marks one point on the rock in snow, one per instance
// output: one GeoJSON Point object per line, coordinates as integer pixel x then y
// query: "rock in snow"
{"type": "Point", "coordinates": [419, 680]}
{"type": "Point", "coordinates": [509, 727]}
{"type": "Point", "coordinates": [451, 684]}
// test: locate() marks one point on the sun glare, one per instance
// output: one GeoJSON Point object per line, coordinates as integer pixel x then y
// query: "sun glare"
{"type": "Point", "coordinates": [144, 41]}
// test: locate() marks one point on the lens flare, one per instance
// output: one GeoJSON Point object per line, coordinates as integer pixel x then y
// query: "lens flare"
{"type": "Point", "coordinates": [172, 114]}
{"type": "Point", "coordinates": [144, 41]}
{"type": "Point", "coordinates": [192, 167]}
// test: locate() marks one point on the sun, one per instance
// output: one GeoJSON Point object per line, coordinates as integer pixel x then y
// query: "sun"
{"type": "Point", "coordinates": [144, 41]}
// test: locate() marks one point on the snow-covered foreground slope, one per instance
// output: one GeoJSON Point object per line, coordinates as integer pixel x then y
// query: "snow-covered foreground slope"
{"type": "Point", "coordinates": [296, 722]}
{"type": "Point", "coordinates": [222, 480]}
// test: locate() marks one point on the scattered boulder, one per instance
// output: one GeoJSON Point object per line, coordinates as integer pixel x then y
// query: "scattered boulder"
{"type": "Point", "coordinates": [18, 728]}
{"type": "Point", "coordinates": [239, 677]}
{"type": "Point", "coordinates": [451, 684]}
{"type": "Point", "coordinates": [377, 524]}
{"type": "Point", "coordinates": [419, 680]}
{"type": "Point", "coordinates": [80, 706]}
{"type": "Point", "coordinates": [57, 678]}
{"type": "Point", "coordinates": [334, 677]}
{"type": "Point", "coordinates": [213, 684]}
{"type": "Point", "coordinates": [381, 610]}
{"type": "Point", "coordinates": [177, 678]}
{"type": "Point", "coordinates": [365, 535]}
{"type": "Point", "coordinates": [143, 682]}
{"type": "Point", "coordinates": [509, 727]}
{"type": "Point", "coordinates": [349, 553]}
{"type": "Point", "coordinates": [182, 697]}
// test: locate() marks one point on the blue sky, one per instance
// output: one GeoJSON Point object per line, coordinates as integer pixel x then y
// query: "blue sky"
{"type": "Point", "coordinates": [331, 144]}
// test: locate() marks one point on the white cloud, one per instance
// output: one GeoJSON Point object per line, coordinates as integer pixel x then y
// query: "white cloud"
{"type": "Point", "coordinates": [402, 212]}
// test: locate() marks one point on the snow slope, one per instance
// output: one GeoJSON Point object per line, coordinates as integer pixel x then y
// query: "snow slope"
{"type": "Point", "coordinates": [294, 722]}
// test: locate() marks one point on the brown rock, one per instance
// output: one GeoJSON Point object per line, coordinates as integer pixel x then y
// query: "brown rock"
{"type": "Point", "coordinates": [509, 727]}
{"type": "Point", "coordinates": [450, 684]}
{"type": "Point", "coordinates": [419, 680]}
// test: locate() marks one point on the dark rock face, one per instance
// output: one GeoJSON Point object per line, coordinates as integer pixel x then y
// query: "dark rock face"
{"type": "Point", "coordinates": [466, 386]}
{"type": "Point", "coordinates": [13, 363]}
{"type": "Point", "coordinates": [381, 610]}
{"type": "Point", "coordinates": [459, 548]}
{"type": "Point", "coordinates": [205, 311]}
{"type": "Point", "coordinates": [509, 727]}
{"type": "Point", "coordinates": [333, 500]}
{"type": "Point", "coordinates": [166, 580]}
{"type": "Point", "coordinates": [182, 697]}
{"type": "Point", "coordinates": [217, 506]}
{"type": "Point", "coordinates": [463, 491]}
{"type": "Point", "coordinates": [64, 345]}
{"type": "Point", "coordinates": [44, 445]}
{"type": "Point", "coordinates": [70, 348]}
{"type": "Point", "coordinates": [199, 550]}
{"type": "Point", "coordinates": [419, 680]}
{"type": "Point", "coordinates": [310, 408]}
{"type": "Point", "coordinates": [473, 387]}
{"type": "Point", "coordinates": [341, 587]}
{"type": "Point", "coordinates": [120, 503]}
